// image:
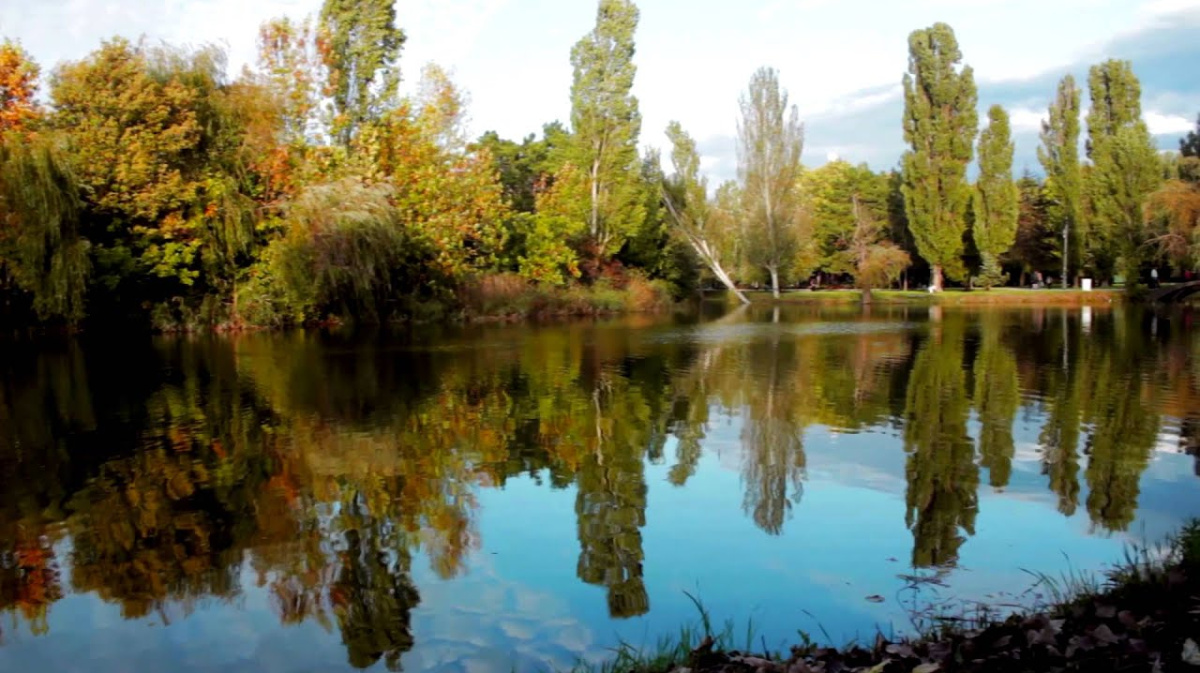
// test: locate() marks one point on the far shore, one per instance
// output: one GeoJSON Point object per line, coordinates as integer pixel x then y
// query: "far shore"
{"type": "Point", "coordinates": [952, 297]}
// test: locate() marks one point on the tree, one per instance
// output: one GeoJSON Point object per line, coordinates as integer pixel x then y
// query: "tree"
{"type": "Point", "coordinates": [18, 87]}
{"type": "Point", "coordinates": [685, 195]}
{"type": "Point", "coordinates": [832, 194]}
{"type": "Point", "coordinates": [770, 142]}
{"type": "Point", "coordinates": [876, 261]}
{"type": "Point", "coordinates": [1125, 166]}
{"type": "Point", "coordinates": [360, 46]}
{"type": "Point", "coordinates": [42, 248]}
{"type": "Point", "coordinates": [605, 122]}
{"type": "Point", "coordinates": [1033, 248]}
{"type": "Point", "coordinates": [940, 122]}
{"type": "Point", "coordinates": [1189, 145]}
{"type": "Point", "coordinates": [526, 168]}
{"type": "Point", "coordinates": [1173, 218]}
{"type": "Point", "coordinates": [288, 65]}
{"type": "Point", "coordinates": [997, 201]}
{"type": "Point", "coordinates": [158, 143]}
{"type": "Point", "coordinates": [997, 397]}
{"type": "Point", "coordinates": [1059, 156]}
{"type": "Point", "coordinates": [942, 476]}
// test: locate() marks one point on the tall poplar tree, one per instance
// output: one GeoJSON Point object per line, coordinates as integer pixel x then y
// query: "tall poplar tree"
{"type": "Point", "coordinates": [1125, 167]}
{"type": "Point", "coordinates": [770, 141]}
{"type": "Point", "coordinates": [360, 45]}
{"type": "Point", "coordinates": [940, 123]}
{"type": "Point", "coordinates": [1059, 156]}
{"type": "Point", "coordinates": [606, 123]}
{"type": "Point", "coordinates": [997, 201]}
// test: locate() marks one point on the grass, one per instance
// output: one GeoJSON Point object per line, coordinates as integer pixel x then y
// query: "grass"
{"type": "Point", "coordinates": [1151, 597]}
{"type": "Point", "coordinates": [954, 297]}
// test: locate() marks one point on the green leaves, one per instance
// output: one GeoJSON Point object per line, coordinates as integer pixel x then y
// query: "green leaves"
{"type": "Point", "coordinates": [770, 142]}
{"type": "Point", "coordinates": [359, 44]}
{"type": "Point", "coordinates": [606, 123]}
{"type": "Point", "coordinates": [997, 200]}
{"type": "Point", "coordinates": [940, 123]}
{"type": "Point", "coordinates": [1125, 168]}
{"type": "Point", "coordinates": [1059, 156]}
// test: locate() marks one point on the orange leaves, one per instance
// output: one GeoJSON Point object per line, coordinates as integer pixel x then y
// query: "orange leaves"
{"type": "Point", "coordinates": [1175, 209]}
{"type": "Point", "coordinates": [18, 87]}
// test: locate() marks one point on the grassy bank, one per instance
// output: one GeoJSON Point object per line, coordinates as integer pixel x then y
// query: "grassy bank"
{"type": "Point", "coordinates": [506, 297]}
{"type": "Point", "coordinates": [954, 297]}
{"type": "Point", "coordinates": [1143, 616]}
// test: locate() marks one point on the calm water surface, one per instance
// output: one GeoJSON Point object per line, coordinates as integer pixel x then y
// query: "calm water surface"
{"type": "Point", "coordinates": [500, 498]}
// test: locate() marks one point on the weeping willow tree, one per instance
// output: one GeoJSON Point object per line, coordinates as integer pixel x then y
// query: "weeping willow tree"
{"type": "Point", "coordinates": [42, 254]}
{"type": "Point", "coordinates": [345, 253]}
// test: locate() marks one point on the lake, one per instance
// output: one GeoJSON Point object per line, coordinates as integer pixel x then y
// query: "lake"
{"type": "Point", "coordinates": [497, 498]}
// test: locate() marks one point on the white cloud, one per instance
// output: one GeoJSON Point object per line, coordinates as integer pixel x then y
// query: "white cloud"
{"type": "Point", "coordinates": [1164, 7]}
{"type": "Point", "coordinates": [1025, 119]}
{"type": "Point", "coordinates": [1161, 124]}
{"type": "Point", "coordinates": [857, 102]}
{"type": "Point", "coordinates": [838, 59]}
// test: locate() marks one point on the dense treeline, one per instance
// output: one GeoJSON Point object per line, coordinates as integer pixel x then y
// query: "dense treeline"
{"type": "Point", "coordinates": [171, 469]}
{"type": "Point", "coordinates": [151, 184]}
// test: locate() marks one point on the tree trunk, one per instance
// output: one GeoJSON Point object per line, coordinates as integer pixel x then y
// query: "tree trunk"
{"type": "Point", "coordinates": [936, 281]}
{"type": "Point", "coordinates": [727, 281]}
{"type": "Point", "coordinates": [775, 282]}
{"type": "Point", "coordinates": [865, 297]}
{"type": "Point", "coordinates": [1066, 256]}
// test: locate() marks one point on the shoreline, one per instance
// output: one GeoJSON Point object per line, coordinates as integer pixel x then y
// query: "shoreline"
{"type": "Point", "coordinates": [996, 297]}
{"type": "Point", "coordinates": [1143, 615]}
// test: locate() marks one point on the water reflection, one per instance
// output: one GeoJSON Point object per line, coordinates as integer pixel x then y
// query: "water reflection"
{"type": "Point", "coordinates": [159, 476]}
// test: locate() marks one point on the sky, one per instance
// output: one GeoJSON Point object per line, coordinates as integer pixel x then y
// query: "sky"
{"type": "Point", "coordinates": [841, 60]}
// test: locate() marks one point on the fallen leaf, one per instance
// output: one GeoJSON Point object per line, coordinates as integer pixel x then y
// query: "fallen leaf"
{"type": "Point", "coordinates": [1191, 653]}
{"type": "Point", "coordinates": [1104, 635]}
{"type": "Point", "coordinates": [876, 598]}
{"type": "Point", "coordinates": [900, 650]}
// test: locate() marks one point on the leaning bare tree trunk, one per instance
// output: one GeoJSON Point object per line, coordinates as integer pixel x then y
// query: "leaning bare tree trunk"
{"type": "Point", "coordinates": [775, 282]}
{"type": "Point", "coordinates": [719, 272]}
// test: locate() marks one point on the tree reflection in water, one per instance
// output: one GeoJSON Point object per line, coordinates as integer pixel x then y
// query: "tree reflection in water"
{"type": "Point", "coordinates": [151, 475]}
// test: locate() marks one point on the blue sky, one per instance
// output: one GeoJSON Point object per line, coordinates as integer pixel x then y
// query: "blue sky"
{"type": "Point", "coordinates": [842, 60]}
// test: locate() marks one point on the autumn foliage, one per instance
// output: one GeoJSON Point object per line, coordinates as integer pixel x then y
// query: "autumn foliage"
{"type": "Point", "coordinates": [18, 86]}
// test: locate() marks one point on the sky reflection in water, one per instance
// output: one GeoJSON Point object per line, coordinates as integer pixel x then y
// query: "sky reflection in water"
{"type": "Point", "coordinates": [495, 497]}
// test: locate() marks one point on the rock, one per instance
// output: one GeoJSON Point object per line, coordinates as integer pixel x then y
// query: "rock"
{"type": "Point", "coordinates": [927, 668]}
{"type": "Point", "coordinates": [1106, 611]}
